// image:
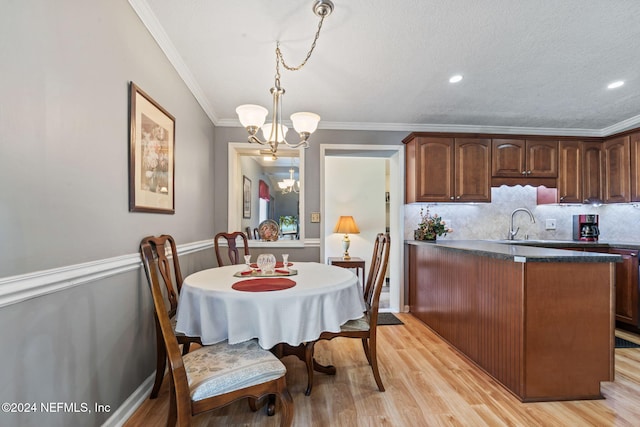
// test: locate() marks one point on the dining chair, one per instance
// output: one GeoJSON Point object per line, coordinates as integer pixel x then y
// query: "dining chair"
{"type": "Point", "coordinates": [173, 283]}
{"type": "Point", "coordinates": [233, 254]}
{"type": "Point", "coordinates": [215, 375]}
{"type": "Point", "coordinates": [365, 327]}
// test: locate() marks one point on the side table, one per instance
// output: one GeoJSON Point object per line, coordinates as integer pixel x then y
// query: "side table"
{"type": "Point", "coordinates": [353, 262]}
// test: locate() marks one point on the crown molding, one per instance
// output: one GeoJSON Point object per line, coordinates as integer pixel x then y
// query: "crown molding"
{"type": "Point", "coordinates": [630, 123]}
{"type": "Point", "coordinates": [148, 18]}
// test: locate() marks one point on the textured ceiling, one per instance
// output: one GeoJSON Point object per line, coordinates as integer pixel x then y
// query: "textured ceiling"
{"type": "Point", "coordinates": [535, 66]}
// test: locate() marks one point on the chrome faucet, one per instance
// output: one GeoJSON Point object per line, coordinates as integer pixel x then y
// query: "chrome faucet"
{"type": "Point", "coordinates": [512, 232]}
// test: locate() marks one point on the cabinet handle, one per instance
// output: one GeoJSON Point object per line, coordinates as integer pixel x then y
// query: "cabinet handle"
{"type": "Point", "coordinates": [452, 198]}
{"type": "Point", "coordinates": [457, 197]}
{"type": "Point", "coordinates": [561, 198]}
{"type": "Point", "coordinates": [524, 172]}
{"type": "Point", "coordinates": [528, 172]}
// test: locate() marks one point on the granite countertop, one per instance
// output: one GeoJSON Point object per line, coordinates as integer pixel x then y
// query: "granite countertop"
{"type": "Point", "coordinates": [570, 243]}
{"type": "Point", "coordinates": [517, 252]}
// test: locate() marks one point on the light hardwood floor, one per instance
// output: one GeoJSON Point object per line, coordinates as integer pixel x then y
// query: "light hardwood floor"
{"type": "Point", "coordinates": [427, 383]}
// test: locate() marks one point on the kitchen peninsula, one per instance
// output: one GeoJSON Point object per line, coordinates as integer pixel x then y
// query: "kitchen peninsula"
{"type": "Point", "coordinates": [538, 320]}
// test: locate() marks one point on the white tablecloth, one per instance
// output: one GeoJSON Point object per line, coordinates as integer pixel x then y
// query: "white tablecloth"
{"type": "Point", "coordinates": [324, 298]}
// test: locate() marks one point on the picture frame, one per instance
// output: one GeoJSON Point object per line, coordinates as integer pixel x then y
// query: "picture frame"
{"type": "Point", "coordinates": [246, 197]}
{"type": "Point", "coordinates": [151, 155]}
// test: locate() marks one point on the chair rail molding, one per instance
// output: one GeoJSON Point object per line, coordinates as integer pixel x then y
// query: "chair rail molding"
{"type": "Point", "coordinates": [15, 289]}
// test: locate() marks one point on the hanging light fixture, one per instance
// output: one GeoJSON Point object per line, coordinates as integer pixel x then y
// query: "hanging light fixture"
{"type": "Point", "coordinates": [253, 116]}
{"type": "Point", "coordinates": [288, 185]}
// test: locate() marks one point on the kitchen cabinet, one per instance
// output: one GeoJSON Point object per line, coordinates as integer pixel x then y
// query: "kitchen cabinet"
{"type": "Point", "coordinates": [580, 171]}
{"type": "Point", "coordinates": [592, 171]}
{"type": "Point", "coordinates": [617, 181]}
{"type": "Point", "coordinates": [513, 158]}
{"type": "Point", "coordinates": [634, 140]}
{"type": "Point", "coordinates": [442, 169]}
{"type": "Point", "coordinates": [570, 173]}
{"type": "Point", "coordinates": [627, 308]}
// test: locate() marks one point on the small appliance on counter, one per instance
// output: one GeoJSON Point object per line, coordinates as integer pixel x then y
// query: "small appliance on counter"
{"type": "Point", "coordinates": [585, 228]}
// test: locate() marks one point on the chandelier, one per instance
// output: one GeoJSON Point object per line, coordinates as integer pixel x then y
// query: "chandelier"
{"type": "Point", "coordinates": [253, 117]}
{"type": "Point", "coordinates": [288, 185]}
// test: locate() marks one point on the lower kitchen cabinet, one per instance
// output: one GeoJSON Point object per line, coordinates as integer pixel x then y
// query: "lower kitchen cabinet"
{"type": "Point", "coordinates": [627, 308]}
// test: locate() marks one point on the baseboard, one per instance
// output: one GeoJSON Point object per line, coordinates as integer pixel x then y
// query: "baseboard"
{"type": "Point", "coordinates": [133, 402]}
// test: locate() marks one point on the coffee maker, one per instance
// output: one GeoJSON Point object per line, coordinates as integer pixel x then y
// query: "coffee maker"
{"type": "Point", "coordinates": [585, 228]}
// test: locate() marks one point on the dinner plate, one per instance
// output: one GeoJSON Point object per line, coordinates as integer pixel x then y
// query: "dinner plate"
{"type": "Point", "coordinates": [268, 230]}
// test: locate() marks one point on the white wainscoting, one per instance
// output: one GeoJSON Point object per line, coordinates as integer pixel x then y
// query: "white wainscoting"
{"type": "Point", "coordinates": [15, 289]}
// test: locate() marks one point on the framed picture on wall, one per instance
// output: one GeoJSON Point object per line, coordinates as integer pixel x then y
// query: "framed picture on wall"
{"type": "Point", "coordinates": [246, 197]}
{"type": "Point", "coordinates": [151, 155]}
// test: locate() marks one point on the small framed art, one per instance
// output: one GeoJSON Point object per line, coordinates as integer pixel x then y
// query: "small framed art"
{"type": "Point", "coordinates": [246, 197]}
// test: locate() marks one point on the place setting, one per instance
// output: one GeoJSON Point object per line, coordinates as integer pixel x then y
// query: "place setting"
{"type": "Point", "coordinates": [266, 274]}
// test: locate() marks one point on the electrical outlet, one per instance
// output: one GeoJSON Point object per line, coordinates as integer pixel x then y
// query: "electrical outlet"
{"type": "Point", "coordinates": [551, 224]}
{"type": "Point", "coordinates": [315, 216]}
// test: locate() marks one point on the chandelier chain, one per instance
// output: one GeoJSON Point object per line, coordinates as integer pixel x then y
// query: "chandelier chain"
{"type": "Point", "coordinates": [280, 58]}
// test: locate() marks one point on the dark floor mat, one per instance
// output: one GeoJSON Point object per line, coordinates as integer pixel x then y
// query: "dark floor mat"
{"type": "Point", "coordinates": [622, 343]}
{"type": "Point", "coordinates": [388, 319]}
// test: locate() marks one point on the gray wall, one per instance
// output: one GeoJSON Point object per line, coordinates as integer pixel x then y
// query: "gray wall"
{"type": "Point", "coordinates": [65, 71]}
{"type": "Point", "coordinates": [312, 166]}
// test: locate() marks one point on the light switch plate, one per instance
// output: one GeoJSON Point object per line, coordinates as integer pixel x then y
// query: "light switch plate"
{"type": "Point", "coordinates": [315, 216]}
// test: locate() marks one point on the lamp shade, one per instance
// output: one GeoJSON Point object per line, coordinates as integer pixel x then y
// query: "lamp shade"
{"type": "Point", "coordinates": [305, 122]}
{"type": "Point", "coordinates": [251, 115]}
{"type": "Point", "coordinates": [346, 225]}
{"type": "Point", "coordinates": [282, 132]}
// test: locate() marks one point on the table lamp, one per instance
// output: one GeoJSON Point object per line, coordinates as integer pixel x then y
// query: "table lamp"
{"type": "Point", "coordinates": [346, 225]}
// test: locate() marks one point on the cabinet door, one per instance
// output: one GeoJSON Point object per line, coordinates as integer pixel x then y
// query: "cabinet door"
{"type": "Point", "coordinates": [434, 169]}
{"type": "Point", "coordinates": [472, 174]}
{"type": "Point", "coordinates": [627, 286]}
{"type": "Point", "coordinates": [570, 172]}
{"type": "Point", "coordinates": [592, 171]}
{"type": "Point", "coordinates": [616, 166]}
{"type": "Point", "coordinates": [634, 139]}
{"type": "Point", "coordinates": [542, 159]}
{"type": "Point", "coordinates": [508, 158]}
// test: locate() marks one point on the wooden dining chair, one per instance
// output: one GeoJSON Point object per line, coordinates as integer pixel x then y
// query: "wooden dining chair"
{"type": "Point", "coordinates": [215, 375]}
{"type": "Point", "coordinates": [233, 255]}
{"type": "Point", "coordinates": [365, 327]}
{"type": "Point", "coordinates": [172, 279]}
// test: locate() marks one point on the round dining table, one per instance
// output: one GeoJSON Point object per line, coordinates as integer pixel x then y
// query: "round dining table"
{"type": "Point", "coordinates": [322, 298]}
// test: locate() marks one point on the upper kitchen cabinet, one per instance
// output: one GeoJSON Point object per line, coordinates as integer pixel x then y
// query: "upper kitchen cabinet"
{"type": "Point", "coordinates": [634, 140]}
{"type": "Point", "coordinates": [519, 158]}
{"type": "Point", "coordinates": [617, 178]}
{"type": "Point", "coordinates": [580, 171]}
{"type": "Point", "coordinates": [444, 169]}
{"type": "Point", "coordinates": [592, 171]}
{"type": "Point", "coordinates": [570, 174]}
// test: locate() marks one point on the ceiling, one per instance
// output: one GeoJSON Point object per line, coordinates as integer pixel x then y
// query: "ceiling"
{"type": "Point", "coordinates": [529, 66]}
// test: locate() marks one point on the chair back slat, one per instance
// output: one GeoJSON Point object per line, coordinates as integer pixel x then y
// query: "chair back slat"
{"type": "Point", "coordinates": [233, 253]}
{"type": "Point", "coordinates": [157, 246]}
{"type": "Point", "coordinates": [377, 273]}
{"type": "Point", "coordinates": [179, 375]}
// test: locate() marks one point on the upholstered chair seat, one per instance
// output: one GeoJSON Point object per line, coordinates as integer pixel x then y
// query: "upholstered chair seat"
{"type": "Point", "coordinates": [222, 368]}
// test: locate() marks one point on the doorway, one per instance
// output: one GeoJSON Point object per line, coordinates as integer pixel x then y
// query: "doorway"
{"type": "Point", "coordinates": [365, 181]}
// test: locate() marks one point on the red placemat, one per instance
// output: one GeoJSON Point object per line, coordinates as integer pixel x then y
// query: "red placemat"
{"type": "Point", "coordinates": [279, 264]}
{"type": "Point", "coordinates": [264, 285]}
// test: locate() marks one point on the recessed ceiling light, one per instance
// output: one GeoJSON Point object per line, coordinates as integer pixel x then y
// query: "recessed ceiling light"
{"type": "Point", "coordinates": [615, 84]}
{"type": "Point", "coordinates": [455, 79]}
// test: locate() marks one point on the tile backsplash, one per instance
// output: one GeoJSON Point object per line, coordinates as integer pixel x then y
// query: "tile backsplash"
{"type": "Point", "coordinates": [618, 222]}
